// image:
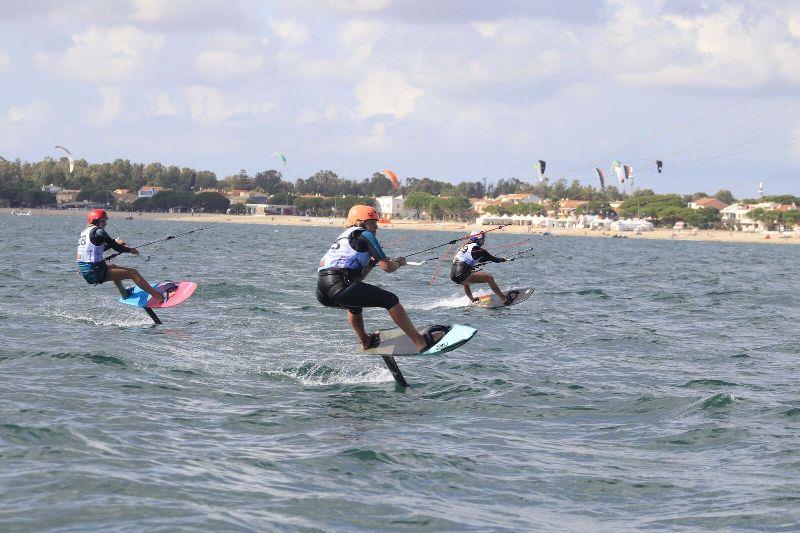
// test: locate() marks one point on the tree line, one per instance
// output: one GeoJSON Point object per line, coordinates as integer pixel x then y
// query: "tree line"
{"type": "Point", "coordinates": [332, 195]}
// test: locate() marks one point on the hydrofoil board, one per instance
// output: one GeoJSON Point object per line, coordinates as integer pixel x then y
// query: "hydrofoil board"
{"type": "Point", "coordinates": [490, 301]}
{"type": "Point", "coordinates": [177, 293]}
{"type": "Point", "coordinates": [395, 343]}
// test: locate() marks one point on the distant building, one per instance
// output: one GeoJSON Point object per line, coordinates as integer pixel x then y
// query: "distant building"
{"type": "Point", "coordinates": [518, 198]}
{"type": "Point", "coordinates": [240, 196]}
{"type": "Point", "coordinates": [479, 205]}
{"type": "Point", "coordinates": [392, 207]}
{"type": "Point", "coordinates": [737, 214]}
{"type": "Point", "coordinates": [148, 191]}
{"type": "Point", "coordinates": [269, 209]}
{"type": "Point", "coordinates": [567, 206]}
{"type": "Point", "coordinates": [66, 196]}
{"type": "Point", "coordinates": [124, 195]}
{"type": "Point", "coordinates": [52, 188]}
{"type": "Point", "coordinates": [708, 202]}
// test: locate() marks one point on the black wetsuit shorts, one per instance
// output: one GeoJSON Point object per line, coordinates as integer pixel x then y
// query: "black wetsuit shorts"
{"type": "Point", "coordinates": [459, 272]}
{"type": "Point", "coordinates": [335, 289]}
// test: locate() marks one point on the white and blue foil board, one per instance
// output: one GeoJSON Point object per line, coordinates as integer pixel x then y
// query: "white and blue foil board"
{"type": "Point", "coordinates": [396, 343]}
{"type": "Point", "coordinates": [492, 301]}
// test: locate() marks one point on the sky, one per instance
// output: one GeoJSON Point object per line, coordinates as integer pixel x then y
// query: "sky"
{"type": "Point", "coordinates": [452, 90]}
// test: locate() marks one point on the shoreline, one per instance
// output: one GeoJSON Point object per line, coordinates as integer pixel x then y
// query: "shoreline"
{"type": "Point", "coordinates": [772, 237]}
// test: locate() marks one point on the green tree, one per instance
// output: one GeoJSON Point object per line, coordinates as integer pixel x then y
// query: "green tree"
{"type": "Point", "coordinates": [701, 218]}
{"type": "Point", "coordinates": [271, 182]}
{"type": "Point", "coordinates": [419, 201]}
{"type": "Point", "coordinates": [455, 207]}
{"type": "Point", "coordinates": [725, 196]}
{"type": "Point", "coordinates": [210, 202]}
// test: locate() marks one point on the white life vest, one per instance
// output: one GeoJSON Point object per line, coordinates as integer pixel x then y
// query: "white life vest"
{"type": "Point", "coordinates": [464, 255]}
{"type": "Point", "coordinates": [342, 255]}
{"type": "Point", "coordinates": [88, 252]}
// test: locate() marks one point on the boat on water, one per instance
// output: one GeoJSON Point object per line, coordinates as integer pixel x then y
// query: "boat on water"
{"type": "Point", "coordinates": [21, 214]}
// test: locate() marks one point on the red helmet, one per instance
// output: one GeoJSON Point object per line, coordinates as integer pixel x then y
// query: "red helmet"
{"type": "Point", "coordinates": [360, 213]}
{"type": "Point", "coordinates": [96, 214]}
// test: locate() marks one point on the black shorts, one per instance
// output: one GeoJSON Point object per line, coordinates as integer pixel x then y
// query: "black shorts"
{"type": "Point", "coordinates": [459, 272]}
{"type": "Point", "coordinates": [334, 289]}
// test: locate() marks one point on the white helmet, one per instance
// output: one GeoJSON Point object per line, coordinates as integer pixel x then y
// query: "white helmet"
{"type": "Point", "coordinates": [477, 236]}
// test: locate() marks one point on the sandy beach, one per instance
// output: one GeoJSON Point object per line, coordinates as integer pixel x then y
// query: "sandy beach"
{"type": "Point", "coordinates": [772, 237]}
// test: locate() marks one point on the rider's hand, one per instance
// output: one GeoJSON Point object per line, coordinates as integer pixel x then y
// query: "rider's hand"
{"type": "Point", "coordinates": [401, 261]}
{"type": "Point", "coordinates": [134, 251]}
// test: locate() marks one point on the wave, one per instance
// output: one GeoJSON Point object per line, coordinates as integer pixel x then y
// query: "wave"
{"type": "Point", "coordinates": [718, 401]}
{"type": "Point", "coordinates": [708, 382]}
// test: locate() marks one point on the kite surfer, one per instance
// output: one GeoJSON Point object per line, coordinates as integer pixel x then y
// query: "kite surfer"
{"type": "Point", "coordinates": [471, 256]}
{"type": "Point", "coordinates": [94, 240]}
{"type": "Point", "coordinates": [345, 265]}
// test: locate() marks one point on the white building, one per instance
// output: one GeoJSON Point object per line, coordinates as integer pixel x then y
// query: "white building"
{"type": "Point", "coordinates": [52, 188]}
{"type": "Point", "coordinates": [392, 207]}
{"type": "Point", "coordinates": [518, 198]}
{"type": "Point", "coordinates": [738, 214]}
{"type": "Point", "coordinates": [149, 191]}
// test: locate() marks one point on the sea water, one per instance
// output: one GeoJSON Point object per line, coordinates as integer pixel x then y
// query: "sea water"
{"type": "Point", "coordinates": [646, 384]}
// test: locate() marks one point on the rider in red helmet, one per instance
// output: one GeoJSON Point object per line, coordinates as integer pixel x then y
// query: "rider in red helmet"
{"type": "Point", "coordinates": [94, 240]}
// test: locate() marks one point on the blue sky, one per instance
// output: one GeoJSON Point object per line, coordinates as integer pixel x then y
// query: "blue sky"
{"type": "Point", "coordinates": [451, 90]}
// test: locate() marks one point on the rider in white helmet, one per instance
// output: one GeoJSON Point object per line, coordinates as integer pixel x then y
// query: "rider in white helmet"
{"type": "Point", "coordinates": [468, 258]}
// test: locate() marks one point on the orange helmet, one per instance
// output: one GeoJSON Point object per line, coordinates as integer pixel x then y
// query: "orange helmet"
{"type": "Point", "coordinates": [96, 214]}
{"type": "Point", "coordinates": [360, 213]}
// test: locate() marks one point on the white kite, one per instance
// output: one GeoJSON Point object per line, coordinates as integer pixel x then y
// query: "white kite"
{"type": "Point", "coordinates": [69, 156]}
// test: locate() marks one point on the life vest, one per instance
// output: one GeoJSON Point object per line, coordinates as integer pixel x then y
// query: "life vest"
{"type": "Point", "coordinates": [88, 252]}
{"type": "Point", "coordinates": [342, 255]}
{"type": "Point", "coordinates": [464, 255]}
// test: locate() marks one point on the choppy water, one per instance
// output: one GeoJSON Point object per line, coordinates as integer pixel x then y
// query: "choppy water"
{"type": "Point", "coordinates": [647, 384]}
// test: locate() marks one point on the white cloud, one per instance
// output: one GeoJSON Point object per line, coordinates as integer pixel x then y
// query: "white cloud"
{"type": "Point", "coordinates": [5, 62]}
{"type": "Point", "coordinates": [727, 48]}
{"type": "Point", "coordinates": [207, 104]}
{"type": "Point", "coordinates": [188, 14]}
{"type": "Point", "coordinates": [109, 55]}
{"type": "Point", "coordinates": [223, 64]}
{"type": "Point", "coordinates": [110, 106]}
{"type": "Point", "coordinates": [291, 31]}
{"type": "Point", "coordinates": [35, 112]}
{"type": "Point", "coordinates": [164, 106]}
{"type": "Point", "coordinates": [356, 6]}
{"type": "Point", "coordinates": [231, 55]}
{"type": "Point", "coordinates": [385, 92]}
{"type": "Point", "coordinates": [487, 29]}
{"type": "Point", "coordinates": [358, 37]}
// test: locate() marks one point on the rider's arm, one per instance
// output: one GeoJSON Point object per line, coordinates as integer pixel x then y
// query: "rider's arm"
{"type": "Point", "coordinates": [378, 255]}
{"type": "Point", "coordinates": [481, 255]}
{"type": "Point", "coordinates": [100, 236]}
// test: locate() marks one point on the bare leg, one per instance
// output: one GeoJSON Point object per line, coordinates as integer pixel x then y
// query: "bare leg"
{"type": "Point", "coordinates": [400, 317]}
{"type": "Point", "coordinates": [468, 291]}
{"type": "Point", "coordinates": [482, 277]}
{"type": "Point", "coordinates": [357, 323]}
{"type": "Point", "coordinates": [119, 273]}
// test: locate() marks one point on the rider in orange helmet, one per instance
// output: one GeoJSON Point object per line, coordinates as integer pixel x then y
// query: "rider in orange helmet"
{"type": "Point", "coordinates": [94, 240]}
{"type": "Point", "coordinates": [341, 272]}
